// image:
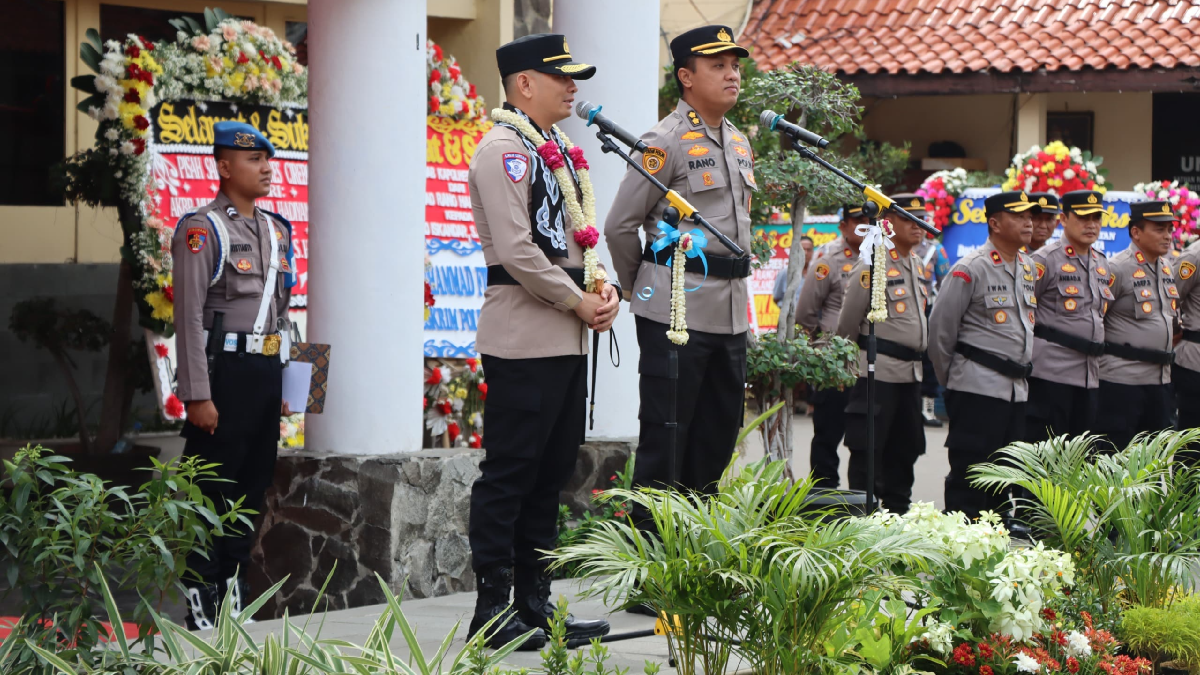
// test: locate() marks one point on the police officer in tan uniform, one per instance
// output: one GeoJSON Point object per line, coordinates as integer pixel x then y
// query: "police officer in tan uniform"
{"type": "Point", "coordinates": [901, 342]}
{"type": "Point", "coordinates": [233, 270]}
{"type": "Point", "coordinates": [1045, 219]}
{"type": "Point", "coordinates": [1185, 373]}
{"type": "Point", "coordinates": [532, 336]}
{"type": "Point", "coordinates": [700, 154]}
{"type": "Point", "coordinates": [1135, 371]}
{"type": "Point", "coordinates": [1072, 297]}
{"type": "Point", "coordinates": [817, 312]}
{"type": "Point", "coordinates": [981, 344]}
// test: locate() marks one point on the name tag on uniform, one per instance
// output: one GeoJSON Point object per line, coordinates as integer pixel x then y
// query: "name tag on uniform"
{"type": "Point", "coordinates": [231, 342]}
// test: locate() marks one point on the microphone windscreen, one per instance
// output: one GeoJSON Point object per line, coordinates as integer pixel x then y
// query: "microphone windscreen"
{"type": "Point", "coordinates": [583, 109]}
{"type": "Point", "coordinates": [767, 119]}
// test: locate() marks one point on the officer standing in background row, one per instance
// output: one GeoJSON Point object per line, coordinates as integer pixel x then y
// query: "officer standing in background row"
{"type": "Point", "coordinates": [981, 343]}
{"type": "Point", "coordinates": [701, 155]}
{"type": "Point", "coordinates": [1135, 371]}
{"type": "Point", "coordinates": [1045, 219]}
{"type": "Point", "coordinates": [532, 336]}
{"type": "Point", "coordinates": [1072, 296]}
{"type": "Point", "coordinates": [1185, 373]}
{"type": "Point", "coordinates": [233, 271]}
{"type": "Point", "coordinates": [817, 312]}
{"type": "Point", "coordinates": [936, 266]}
{"type": "Point", "coordinates": [901, 341]}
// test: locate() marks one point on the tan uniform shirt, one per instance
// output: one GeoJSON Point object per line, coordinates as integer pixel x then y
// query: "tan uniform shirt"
{"type": "Point", "coordinates": [534, 319]}
{"type": "Point", "coordinates": [1072, 296]}
{"type": "Point", "coordinates": [987, 304]}
{"type": "Point", "coordinates": [825, 288]}
{"type": "Point", "coordinates": [714, 173]}
{"type": "Point", "coordinates": [1187, 354]}
{"type": "Point", "coordinates": [1142, 315]}
{"type": "Point", "coordinates": [195, 251]}
{"type": "Point", "coordinates": [906, 299]}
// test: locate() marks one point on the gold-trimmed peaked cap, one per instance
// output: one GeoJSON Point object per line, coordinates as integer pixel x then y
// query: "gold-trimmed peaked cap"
{"type": "Point", "coordinates": [1083, 202]}
{"type": "Point", "coordinates": [913, 203]}
{"type": "Point", "coordinates": [704, 41]}
{"type": "Point", "coordinates": [1047, 202]}
{"type": "Point", "coordinates": [543, 52]}
{"type": "Point", "coordinates": [1016, 201]}
{"type": "Point", "coordinates": [1155, 212]}
{"type": "Point", "coordinates": [852, 211]}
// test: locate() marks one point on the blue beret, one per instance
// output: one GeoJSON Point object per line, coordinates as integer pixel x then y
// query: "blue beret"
{"type": "Point", "coordinates": [240, 136]}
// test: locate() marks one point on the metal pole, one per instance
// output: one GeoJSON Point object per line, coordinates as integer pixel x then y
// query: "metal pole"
{"type": "Point", "coordinates": [871, 209]}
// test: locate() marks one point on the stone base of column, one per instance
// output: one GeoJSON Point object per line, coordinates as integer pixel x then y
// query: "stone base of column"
{"type": "Point", "coordinates": [403, 517]}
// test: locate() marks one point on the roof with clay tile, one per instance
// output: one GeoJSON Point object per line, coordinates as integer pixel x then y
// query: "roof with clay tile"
{"type": "Point", "coordinates": [972, 36]}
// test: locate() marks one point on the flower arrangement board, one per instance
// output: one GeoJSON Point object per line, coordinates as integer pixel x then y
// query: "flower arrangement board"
{"type": "Point", "coordinates": [967, 228]}
{"type": "Point", "coordinates": [822, 230]}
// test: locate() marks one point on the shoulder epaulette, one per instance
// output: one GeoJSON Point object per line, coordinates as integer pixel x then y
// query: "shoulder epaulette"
{"type": "Point", "coordinates": [291, 255]}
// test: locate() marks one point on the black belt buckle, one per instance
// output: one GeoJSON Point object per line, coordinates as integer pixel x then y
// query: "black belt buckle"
{"type": "Point", "coordinates": [741, 267]}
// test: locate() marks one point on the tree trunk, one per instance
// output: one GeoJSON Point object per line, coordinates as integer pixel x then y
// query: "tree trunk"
{"type": "Point", "coordinates": [85, 440]}
{"type": "Point", "coordinates": [117, 393]}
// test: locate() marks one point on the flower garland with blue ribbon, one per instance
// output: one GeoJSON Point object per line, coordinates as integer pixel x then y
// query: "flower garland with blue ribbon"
{"type": "Point", "coordinates": [687, 245]}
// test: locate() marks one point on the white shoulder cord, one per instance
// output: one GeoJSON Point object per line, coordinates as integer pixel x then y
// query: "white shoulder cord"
{"type": "Point", "coordinates": [272, 272]}
{"type": "Point", "coordinates": [222, 236]}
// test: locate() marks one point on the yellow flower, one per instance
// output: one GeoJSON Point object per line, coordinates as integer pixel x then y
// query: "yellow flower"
{"type": "Point", "coordinates": [1048, 167]}
{"type": "Point", "coordinates": [163, 309]}
{"type": "Point", "coordinates": [227, 62]}
{"type": "Point", "coordinates": [237, 80]}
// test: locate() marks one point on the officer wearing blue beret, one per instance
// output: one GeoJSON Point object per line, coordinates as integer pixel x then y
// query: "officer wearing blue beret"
{"type": "Point", "coordinates": [233, 271]}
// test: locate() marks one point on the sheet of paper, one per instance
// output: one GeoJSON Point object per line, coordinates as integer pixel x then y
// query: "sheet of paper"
{"type": "Point", "coordinates": [296, 380]}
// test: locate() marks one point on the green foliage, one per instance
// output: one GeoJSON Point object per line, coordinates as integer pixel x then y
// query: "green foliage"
{"type": "Point", "coordinates": [1171, 633]}
{"type": "Point", "coordinates": [758, 562]}
{"type": "Point", "coordinates": [773, 368]}
{"type": "Point", "coordinates": [881, 632]}
{"type": "Point", "coordinates": [1130, 520]}
{"type": "Point", "coordinates": [62, 532]}
{"type": "Point", "coordinates": [572, 531]}
{"type": "Point", "coordinates": [58, 329]}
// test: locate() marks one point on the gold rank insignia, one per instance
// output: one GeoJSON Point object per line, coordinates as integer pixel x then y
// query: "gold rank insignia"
{"type": "Point", "coordinates": [697, 150]}
{"type": "Point", "coordinates": [737, 139]}
{"type": "Point", "coordinates": [1091, 199]}
{"type": "Point", "coordinates": [864, 279]}
{"type": "Point", "coordinates": [1186, 270]}
{"type": "Point", "coordinates": [694, 118]}
{"type": "Point", "coordinates": [691, 136]}
{"type": "Point", "coordinates": [1069, 250]}
{"type": "Point", "coordinates": [996, 259]}
{"type": "Point", "coordinates": [1140, 258]}
{"type": "Point", "coordinates": [847, 252]}
{"type": "Point", "coordinates": [893, 254]}
{"type": "Point", "coordinates": [847, 267]}
{"type": "Point", "coordinates": [893, 273]}
{"type": "Point", "coordinates": [1167, 270]}
{"type": "Point", "coordinates": [1139, 274]}
{"type": "Point", "coordinates": [1068, 268]}
{"type": "Point", "coordinates": [723, 36]}
{"type": "Point", "coordinates": [822, 271]}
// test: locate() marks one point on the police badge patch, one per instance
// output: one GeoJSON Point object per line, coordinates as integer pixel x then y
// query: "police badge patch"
{"type": "Point", "coordinates": [516, 165]}
{"type": "Point", "coordinates": [653, 159]}
{"type": "Point", "coordinates": [1186, 270]}
{"type": "Point", "coordinates": [822, 271]}
{"type": "Point", "coordinates": [196, 237]}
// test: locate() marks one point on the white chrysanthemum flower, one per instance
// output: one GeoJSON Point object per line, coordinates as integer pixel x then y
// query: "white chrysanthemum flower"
{"type": "Point", "coordinates": [94, 112]}
{"type": "Point", "coordinates": [118, 173]}
{"type": "Point", "coordinates": [1078, 645]}
{"type": "Point", "coordinates": [111, 110]}
{"type": "Point", "coordinates": [1027, 664]}
{"type": "Point", "coordinates": [1069, 174]}
{"type": "Point", "coordinates": [1099, 180]}
{"type": "Point", "coordinates": [113, 152]}
{"type": "Point", "coordinates": [127, 148]}
{"type": "Point", "coordinates": [112, 134]}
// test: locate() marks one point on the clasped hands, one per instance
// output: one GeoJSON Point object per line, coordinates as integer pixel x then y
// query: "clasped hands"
{"type": "Point", "coordinates": [599, 310]}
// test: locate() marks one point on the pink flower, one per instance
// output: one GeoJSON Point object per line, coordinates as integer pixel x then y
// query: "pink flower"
{"type": "Point", "coordinates": [587, 237]}
{"type": "Point", "coordinates": [276, 85]}
{"type": "Point", "coordinates": [577, 159]}
{"type": "Point", "coordinates": [229, 32]}
{"type": "Point", "coordinates": [201, 43]}
{"type": "Point", "coordinates": [297, 69]}
{"type": "Point", "coordinates": [551, 155]}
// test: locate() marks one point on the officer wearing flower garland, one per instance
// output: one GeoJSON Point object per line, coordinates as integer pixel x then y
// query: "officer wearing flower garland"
{"type": "Point", "coordinates": [233, 271]}
{"type": "Point", "coordinates": [534, 209]}
{"type": "Point", "coordinates": [702, 156]}
{"type": "Point", "coordinates": [817, 312]}
{"type": "Point", "coordinates": [901, 340]}
{"type": "Point", "coordinates": [981, 344]}
{"type": "Point", "coordinates": [1135, 371]}
{"type": "Point", "coordinates": [1072, 294]}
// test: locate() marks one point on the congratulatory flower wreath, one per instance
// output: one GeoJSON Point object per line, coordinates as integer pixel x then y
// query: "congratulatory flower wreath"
{"type": "Point", "coordinates": [228, 60]}
{"type": "Point", "coordinates": [1057, 169]}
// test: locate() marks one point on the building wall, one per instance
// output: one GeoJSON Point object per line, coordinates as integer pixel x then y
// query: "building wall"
{"type": "Point", "coordinates": [1123, 131]}
{"type": "Point", "coordinates": [981, 124]}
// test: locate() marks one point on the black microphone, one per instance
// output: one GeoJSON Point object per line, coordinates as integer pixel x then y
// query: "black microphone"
{"type": "Point", "coordinates": [586, 111]}
{"type": "Point", "coordinates": [776, 123]}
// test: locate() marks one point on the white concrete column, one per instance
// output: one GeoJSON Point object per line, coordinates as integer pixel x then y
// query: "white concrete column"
{"type": "Point", "coordinates": [620, 38]}
{"type": "Point", "coordinates": [1031, 121]}
{"type": "Point", "coordinates": [367, 198]}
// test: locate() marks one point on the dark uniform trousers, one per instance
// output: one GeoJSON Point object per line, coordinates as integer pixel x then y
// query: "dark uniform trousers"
{"type": "Point", "coordinates": [1127, 410]}
{"type": "Point", "coordinates": [929, 381]}
{"type": "Point", "coordinates": [1056, 409]}
{"type": "Point", "coordinates": [829, 426]}
{"type": "Point", "coordinates": [979, 426]}
{"type": "Point", "coordinates": [247, 391]}
{"type": "Point", "coordinates": [711, 391]}
{"type": "Point", "coordinates": [1187, 399]}
{"type": "Point", "coordinates": [899, 440]}
{"type": "Point", "coordinates": [535, 423]}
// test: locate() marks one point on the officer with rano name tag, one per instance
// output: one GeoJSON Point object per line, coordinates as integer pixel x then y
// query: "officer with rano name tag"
{"type": "Point", "coordinates": [981, 344]}
{"type": "Point", "coordinates": [901, 341]}
{"type": "Point", "coordinates": [817, 312]}
{"type": "Point", "coordinates": [233, 271]}
{"type": "Point", "coordinates": [701, 155]}
{"type": "Point", "coordinates": [1135, 371]}
{"type": "Point", "coordinates": [1072, 297]}
{"type": "Point", "coordinates": [533, 338]}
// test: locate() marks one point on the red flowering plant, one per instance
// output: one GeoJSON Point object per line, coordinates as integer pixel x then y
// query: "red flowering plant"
{"type": "Point", "coordinates": [455, 391]}
{"type": "Point", "coordinates": [1057, 169]}
{"type": "Point", "coordinates": [450, 95]}
{"type": "Point", "coordinates": [943, 188]}
{"type": "Point", "coordinates": [573, 528]}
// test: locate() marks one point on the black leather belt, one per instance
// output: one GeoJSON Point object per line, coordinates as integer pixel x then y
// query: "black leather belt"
{"type": "Point", "coordinates": [721, 266]}
{"type": "Point", "coordinates": [1069, 341]}
{"type": "Point", "coordinates": [1191, 335]}
{"type": "Point", "coordinates": [892, 348]}
{"type": "Point", "coordinates": [498, 276]}
{"type": "Point", "coordinates": [1006, 367]}
{"type": "Point", "coordinates": [1124, 351]}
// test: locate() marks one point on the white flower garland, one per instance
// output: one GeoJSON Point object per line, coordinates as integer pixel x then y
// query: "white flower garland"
{"type": "Point", "coordinates": [677, 333]}
{"type": "Point", "coordinates": [878, 313]}
{"type": "Point", "coordinates": [583, 216]}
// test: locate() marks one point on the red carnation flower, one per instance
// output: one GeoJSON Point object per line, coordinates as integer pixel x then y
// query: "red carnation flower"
{"type": "Point", "coordinates": [466, 107]}
{"type": "Point", "coordinates": [169, 293]}
{"type": "Point", "coordinates": [132, 51]}
{"type": "Point", "coordinates": [277, 63]}
{"type": "Point", "coordinates": [174, 407]}
{"type": "Point", "coordinates": [587, 237]}
{"type": "Point", "coordinates": [455, 72]}
{"type": "Point", "coordinates": [437, 53]}
{"type": "Point", "coordinates": [453, 430]}
{"type": "Point", "coordinates": [141, 122]}
{"type": "Point", "coordinates": [132, 96]}
{"type": "Point", "coordinates": [242, 58]}
{"type": "Point", "coordinates": [964, 655]}
{"type": "Point", "coordinates": [471, 91]}
{"type": "Point", "coordinates": [482, 386]}
{"type": "Point", "coordinates": [435, 376]}
{"type": "Point", "coordinates": [985, 670]}
{"type": "Point", "coordinates": [577, 159]}
{"type": "Point", "coordinates": [139, 146]}
{"type": "Point", "coordinates": [446, 407]}
{"type": "Point", "coordinates": [433, 103]}
{"type": "Point", "coordinates": [1072, 665]}
{"type": "Point", "coordinates": [146, 43]}
{"type": "Point", "coordinates": [473, 364]}
{"type": "Point", "coordinates": [476, 441]}
{"type": "Point", "coordinates": [161, 350]}
{"type": "Point", "coordinates": [1049, 614]}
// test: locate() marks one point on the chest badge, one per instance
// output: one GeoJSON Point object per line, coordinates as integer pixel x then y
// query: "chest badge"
{"type": "Point", "coordinates": [1100, 271]}
{"type": "Point", "coordinates": [1068, 268]}
{"type": "Point", "coordinates": [864, 279]}
{"type": "Point", "coordinates": [697, 150]}
{"type": "Point", "coordinates": [893, 273]}
{"type": "Point", "coordinates": [283, 264]}
{"type": "Point", "coordinates": [847, 267]}
{"type": "Point", "coordinates": [901, 307]}
{"type": "Point", "coordinates": [1071, 304]}
{"type": "Point", "coordinates": [1139, 274]}
{"type": "Point", "coordinates": [1031, 317]}
{"type": "Point", "coordinates": [737, 138]}
{"type": "Point", "coordinates": [691, 136]}
{"type": "Point", "coordinates": [196, 238]}
{"type": "Point", "coordinates": [741, 151]}
{"type": "Point", "coordinates": [1174, 305]}
{"type": "Point", "coordinates": [900, 292]}
{"type": "Point", "coordinates": [1147, 307]}
{"type": "Point", "coordinates": [1172, 291]}
{"type": "Point", "coordinates": [822, 271]}
{"type": "Point", "coordinates": [1001, 316]}
{"type": "Point", "coordinates": [1146, 293]}
{"type": "Point", "coordinates": [1071, 290]}
{"type": "Point", "coordinates": [243, 264]}
{"type": "Point", "coordinates": [708, 179]}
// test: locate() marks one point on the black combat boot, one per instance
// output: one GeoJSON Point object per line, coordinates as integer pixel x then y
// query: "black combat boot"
{"type": "Point", "coordinates": [535, 608]}
{"type": "Point", "coordinates": [492, 600]}
{"type": "Point", "coordinates": [202, 602]}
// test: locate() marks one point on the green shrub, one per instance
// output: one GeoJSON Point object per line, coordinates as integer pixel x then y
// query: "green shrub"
{"type": "Point", "coordinates": [1165, 634]}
